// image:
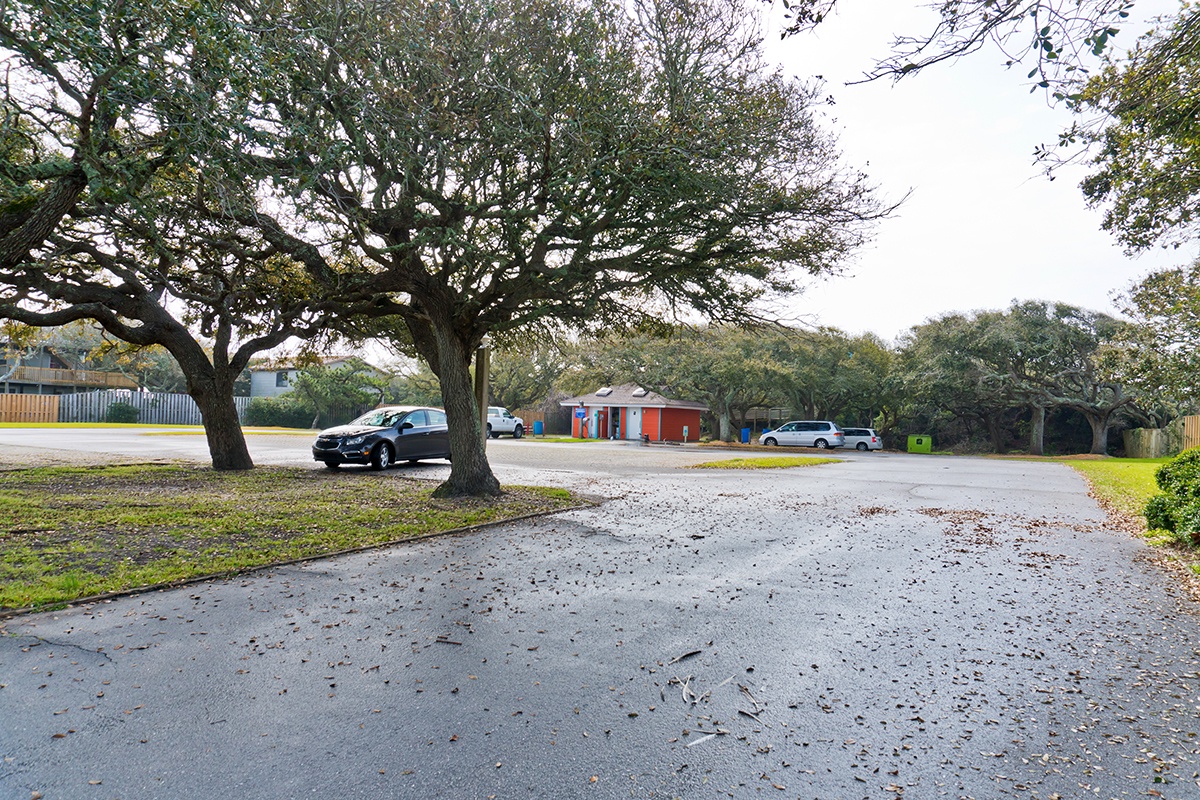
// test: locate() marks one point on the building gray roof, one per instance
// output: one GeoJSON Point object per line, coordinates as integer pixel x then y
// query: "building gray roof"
{"type": "Point", "coordinates": [630, 394]}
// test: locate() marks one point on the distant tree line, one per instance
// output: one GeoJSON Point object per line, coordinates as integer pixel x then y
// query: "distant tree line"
{"type": "Point", "coordinates": [1037, 377]}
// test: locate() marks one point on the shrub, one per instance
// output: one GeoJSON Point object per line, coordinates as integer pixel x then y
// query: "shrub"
{"type": "Point", "coordinates": [1178, 508]}
{"type": "Point", "coordinates": [274, 412]}
{"type": "Point", "coordinates": [121, 412]}
{"type": "Point", "coordinates": [1181, 475]}
{"type": "Point", "coordinates": [1161, 511]}
{"type": "Point", "coordinates": [1187, 523]}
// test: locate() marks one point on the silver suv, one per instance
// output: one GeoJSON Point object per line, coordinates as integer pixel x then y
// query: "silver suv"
{"type": "Point", "coordinates": [863, 439]}
{"type": "Point", "coordinates": [821, 434]}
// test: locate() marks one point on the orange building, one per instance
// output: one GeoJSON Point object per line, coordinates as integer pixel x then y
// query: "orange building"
{"type": "Point", "coordinates": [632, 412]}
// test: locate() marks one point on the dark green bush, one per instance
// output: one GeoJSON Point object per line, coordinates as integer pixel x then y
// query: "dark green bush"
{"type": "Point", "coordinates": [1187, 523]}
{"type": "Point", "coordinates": [1181, 475]}
{"type": "Point", "coordinates": [274, 412]}
{"type": "Point", "coordinates": [1161, 511]}
{"type": "Point", "coordinates": [121, 412]}
{"type": "Point", "coordinates": [1177, 509]}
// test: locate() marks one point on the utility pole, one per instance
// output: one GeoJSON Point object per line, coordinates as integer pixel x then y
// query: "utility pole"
{"type": "Point", "coordinates": [483, 365]}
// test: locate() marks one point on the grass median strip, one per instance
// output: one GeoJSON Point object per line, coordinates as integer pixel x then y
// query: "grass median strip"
{"type": "Point", "coordinates": [71, 532]}
{"type": "Point", "coordinates": [1124, 485]}
{"type": "Point", "coordinates": [766, 462]}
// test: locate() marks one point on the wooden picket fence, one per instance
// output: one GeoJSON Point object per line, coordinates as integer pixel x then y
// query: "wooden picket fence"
{"type": "Point", "coordinates": [29, 408]}
{"type": "Point", "coordinates": [154, 408]}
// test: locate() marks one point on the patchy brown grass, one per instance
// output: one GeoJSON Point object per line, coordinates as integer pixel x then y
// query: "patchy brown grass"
{"type": "Point", "coordinates": [71, 532]}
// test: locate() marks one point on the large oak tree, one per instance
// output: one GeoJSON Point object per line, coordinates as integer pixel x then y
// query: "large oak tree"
{"type": "Point", "coordinates": [1034, 355]}
{"type": "Point", "coordinates": [114, 206]}
{"type": "Point", "coordinates": [499, 163]}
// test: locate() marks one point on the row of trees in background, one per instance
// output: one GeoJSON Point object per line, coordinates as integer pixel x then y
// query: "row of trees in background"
{"type": "Point", "coordinates": [1037, 376]}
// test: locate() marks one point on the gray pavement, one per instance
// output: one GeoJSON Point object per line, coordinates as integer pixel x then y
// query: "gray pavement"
{"type": "Point", "coordinates": [889, 626]}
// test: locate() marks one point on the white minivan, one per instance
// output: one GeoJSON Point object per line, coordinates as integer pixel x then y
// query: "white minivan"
{"type": "Point", "coordinates": [821, 434]}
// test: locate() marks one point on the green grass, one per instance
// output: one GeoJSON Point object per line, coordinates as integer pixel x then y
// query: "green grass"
{"type": "Point", "coordinates": [766, 462]}
{"type": "Point", "coordinates": [69, 532]}
{"type": "Point", "coordinates": [1126, 483]}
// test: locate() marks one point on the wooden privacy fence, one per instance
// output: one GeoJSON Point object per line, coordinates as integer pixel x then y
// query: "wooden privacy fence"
{"type": "Point", "coordinates": [1191, 432]}
{"type": "Point", "coordinates": [154, 408]}
{"type": "Point", "coordinates": [555, 423]}
{"type": "Point", "coordinates": [28, 408]}
{"type": "Point", "coordinates": [1182, 434]}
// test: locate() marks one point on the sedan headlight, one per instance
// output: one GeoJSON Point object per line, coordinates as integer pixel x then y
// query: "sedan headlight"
{"type": "Point", "coordinates": [356, 440]}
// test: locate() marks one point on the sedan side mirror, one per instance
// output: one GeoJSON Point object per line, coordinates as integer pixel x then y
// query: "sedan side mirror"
{"type": "Point", "coordinates": [406, 426]}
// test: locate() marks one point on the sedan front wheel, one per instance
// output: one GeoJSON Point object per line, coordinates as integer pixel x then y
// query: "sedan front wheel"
{"type": "Point", "coordinates": [382, 458]}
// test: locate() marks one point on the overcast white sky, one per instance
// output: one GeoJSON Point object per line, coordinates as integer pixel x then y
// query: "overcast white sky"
{"type": "Point", "coordinates": [983, 225]}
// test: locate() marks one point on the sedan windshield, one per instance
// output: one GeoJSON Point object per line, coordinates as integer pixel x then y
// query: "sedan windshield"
{"type": "Point", "coordinates": [380, 417]}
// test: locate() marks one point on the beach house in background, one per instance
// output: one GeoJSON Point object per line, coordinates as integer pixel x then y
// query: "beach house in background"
{"type": "Point", "coordinates": [41, 370]}
{"type": "Point", "coordinates": [633, 412]}
{"type": "Point", "coordinates": [273, 378]}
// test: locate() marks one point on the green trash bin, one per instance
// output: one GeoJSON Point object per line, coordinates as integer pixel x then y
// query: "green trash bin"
{"type": "Point", "coordinates": [920, 443]}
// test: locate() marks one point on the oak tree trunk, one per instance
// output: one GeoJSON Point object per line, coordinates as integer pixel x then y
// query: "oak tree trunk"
{"type": "Point", "coordinates": [211, 386]}
{"type": "Point", "coordinates": [1099, 423]}
{"type": "Point", "coordinates": [996, 433]}
{"type": "Point", "coordinates": [470, 473]}
{"type": "Point", "coordinates": [1037, 430]}
{"type": "Point", "coordinates": [726, 425]}
{"type": "Point", "coordinates": [226, 442]}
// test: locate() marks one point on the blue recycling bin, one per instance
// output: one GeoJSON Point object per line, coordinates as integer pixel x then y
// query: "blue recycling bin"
{"type": "Point", "coordinates": [745, 436]}
{"type": "Point", "coordinates": [538, 427]}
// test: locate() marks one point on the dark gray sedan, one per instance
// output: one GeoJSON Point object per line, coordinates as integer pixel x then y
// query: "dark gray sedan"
{"type": "Point", "coordinates": [384, 436]}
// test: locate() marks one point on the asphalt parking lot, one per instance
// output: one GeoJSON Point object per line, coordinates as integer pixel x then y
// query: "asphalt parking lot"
{"type": "Point", "coordinates": [889, 626]}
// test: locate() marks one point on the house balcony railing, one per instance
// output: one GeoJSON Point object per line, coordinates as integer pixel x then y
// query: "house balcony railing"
{"type": "Point", "coordinates": [46, 376]}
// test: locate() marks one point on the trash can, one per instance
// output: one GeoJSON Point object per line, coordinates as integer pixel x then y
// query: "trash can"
{"type": "Point", "coordinates": [745, 436]}
{"type": "Point", "coordinates": [920, 443]}
{"type": "Point", "coordinates": [538, 427]}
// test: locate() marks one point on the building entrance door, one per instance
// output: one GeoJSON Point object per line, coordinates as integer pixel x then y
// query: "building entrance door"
{"type": "Point", "coordinates": [634, 424]}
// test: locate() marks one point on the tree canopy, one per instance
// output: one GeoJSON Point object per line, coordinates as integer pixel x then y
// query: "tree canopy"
{"type": "Point", "coordinates": [1159, 352]}
{"type": "Point", "coordinates": [1145, 145]}
{"type": "Point", "coordinates": [1035, 355]}
{"type": "Point", "coordinates": [494, 164]}
{"type": "Point", "coordinates": [1056, 35]}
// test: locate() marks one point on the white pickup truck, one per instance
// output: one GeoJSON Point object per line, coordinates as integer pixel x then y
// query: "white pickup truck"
{"type": "Point", "coordinates": [500, 421]}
